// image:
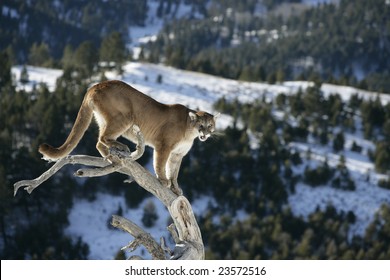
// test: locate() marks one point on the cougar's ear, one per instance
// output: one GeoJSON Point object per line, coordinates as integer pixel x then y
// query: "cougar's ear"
{"type": "Point", "coordinates": [193, 116]}
{"type": "Point", "coordinates": [216, 116]}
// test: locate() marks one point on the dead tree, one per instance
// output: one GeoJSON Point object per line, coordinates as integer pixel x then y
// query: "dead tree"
{"type": "Point", "coordinates": [185, 230]}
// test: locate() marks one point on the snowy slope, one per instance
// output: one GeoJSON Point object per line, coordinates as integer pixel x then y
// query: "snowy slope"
{"type": "Point", "coordinates": [139, 35]}
{"type": "Point", "coordinates": [89, 219]}
{"type": "Point", "coordinates": [36, 75]}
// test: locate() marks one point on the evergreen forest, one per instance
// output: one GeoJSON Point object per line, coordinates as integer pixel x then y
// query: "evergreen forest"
{"type": "Point", "coordinates": [347, 44]}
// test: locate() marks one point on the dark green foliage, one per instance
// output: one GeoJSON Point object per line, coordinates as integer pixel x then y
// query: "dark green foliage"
{"type": "Point", "coordinates": [318, 176]}
{"type": "Point", "coordinates": [384, 184]}
{"type": "Point", "coordinates": [382, 156]}
{"type": "Point", "coordinates": [356, 148]}
{"type": "Point", "coordinates": [282, 236]}
{"type": "Point", "coordinates": [342, 179]}
{"type": "Point", "coordinates": [150, 215]}
{"type": "Point", "coordinates": [373, 112]}
{"type": "Point", "coordinates": [86, 58]}
{"type": "Point", "coordinates": [338, 142]}
{"type": "Point", "coordinates": [45, 241]}
{"type": "Point", "coordinates": [159, 79]}
{"type": "Point", "coordinates": [134, 195]}
{"type": "Point", "coordinates": [39, 55]}
{"type": "Point", "coordinates": [5, 69]}
{"type": "Point", "coordinates": [120, 255]}
{"type": "Point", "coordinates": [113, 49]}
{"type": "Point", "coordinates": [343, 182]}
{"type": "Point", "coordinates": [56, 24]}
{"type": "Point", "coordinates": [24, 75]}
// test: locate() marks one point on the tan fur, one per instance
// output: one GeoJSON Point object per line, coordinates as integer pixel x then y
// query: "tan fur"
{"type": "Point", "coordinates": [169, 129]}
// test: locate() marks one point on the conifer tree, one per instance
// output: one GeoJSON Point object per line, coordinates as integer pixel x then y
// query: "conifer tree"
{"type": "Point", "coordinates": [86, 58]}
{"type": "Point", "coordinates": [24, 75]}
{"type": "Point", "coordinates": [5, 69]}
{"type": "Point", "coordinates": [113, 49]}
{"type": "Point", "coordinates": [40, 55]}
{"type": "Point", "coordinates": [150, 214]}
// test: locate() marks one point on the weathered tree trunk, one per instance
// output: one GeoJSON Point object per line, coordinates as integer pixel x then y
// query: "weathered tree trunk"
{"type": "Point", "coordinates": [188, 238]}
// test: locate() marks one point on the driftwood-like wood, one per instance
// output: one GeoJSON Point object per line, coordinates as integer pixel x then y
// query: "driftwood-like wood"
{"type": "Point", "coordinates": [141, 237]}
{"type": "Point", "coordinates": [185, 231]}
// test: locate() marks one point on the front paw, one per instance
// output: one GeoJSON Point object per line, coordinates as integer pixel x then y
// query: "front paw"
{"type": "Point", "coordinates": [176, 189]}
{"type": "Point", "coordinates": [166, 183]}
{"type": "Point", "coordinates": [173, 186]}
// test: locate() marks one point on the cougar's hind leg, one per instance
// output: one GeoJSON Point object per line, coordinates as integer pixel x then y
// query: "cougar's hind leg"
{"type": "Point", "coordinates": [107, 143]}
{"type": "Point", "coordinates": [103, 150]}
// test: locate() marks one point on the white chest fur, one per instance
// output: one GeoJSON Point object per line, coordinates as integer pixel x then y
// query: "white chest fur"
{"type": "Point", "coordinates": [183, 147]}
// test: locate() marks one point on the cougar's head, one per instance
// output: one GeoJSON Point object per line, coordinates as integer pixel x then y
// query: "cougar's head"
{"type": "Point", "coordinates": [204, 123]}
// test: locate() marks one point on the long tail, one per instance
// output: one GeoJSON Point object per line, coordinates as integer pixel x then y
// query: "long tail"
{"type": "Point", "coordinates": [83, 120]}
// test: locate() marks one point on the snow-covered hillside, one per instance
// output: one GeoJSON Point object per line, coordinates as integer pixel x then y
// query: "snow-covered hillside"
{"type": "Point", "coordinates": [139, 35]}
{"type": "Point", "coordinates": [169, 85]}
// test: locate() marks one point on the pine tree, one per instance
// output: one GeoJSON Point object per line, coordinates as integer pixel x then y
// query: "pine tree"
{"type": "Point", "coordinates": [113, 49]}
{"type": "Point", "coordinates": [5, 69]}
{"type": "Point", "coordinates": [24, 75]}
{"type": "Point", "coordinates": [150, 214]}
{"type": "Point", "coordinates": [40, 55]}
{"type": "Point", "coordinates": [338, 142]}
{"type": "Point", "coordinates": [382, 157]}
{"type": "Point", "coordinates": [68, 57]}
{"type": "Point", "coordinates": [86, 58]}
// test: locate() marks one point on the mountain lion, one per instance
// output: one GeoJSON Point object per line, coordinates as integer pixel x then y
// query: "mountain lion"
{"type": "Point", "coordinates": [169, 129]}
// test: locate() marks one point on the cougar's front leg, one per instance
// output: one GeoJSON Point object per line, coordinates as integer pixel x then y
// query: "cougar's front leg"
{"type": "Point", "coordinates": [173, 168]}
{"type": "Point", "coordinates": [160, 158]}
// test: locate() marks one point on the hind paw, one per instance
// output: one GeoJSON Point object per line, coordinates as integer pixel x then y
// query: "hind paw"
{"type": "Point", "coordinates": [176, 189]}
{"type": "Point", "coordinates": [120, 151]}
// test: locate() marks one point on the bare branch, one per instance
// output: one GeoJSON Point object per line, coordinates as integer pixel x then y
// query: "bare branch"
{"type": "Point", "coordinates": [135, 258]}
{"type": "Point", "coordinates": [97, 172]}
{"type": "Point", "coordinates": [30, 185]}
{"type": "Point", "coordinates": [187, 227]}
{"type": "Point", "coordinates": [141, 237]}
{"type": "Point", "coordinates": [174, 234]}
{"type": "Point", "coordinates": [164, 246]}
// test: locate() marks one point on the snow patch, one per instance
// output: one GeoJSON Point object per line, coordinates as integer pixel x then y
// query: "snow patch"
{"type": "Point", "coordinates": [36, 76]}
